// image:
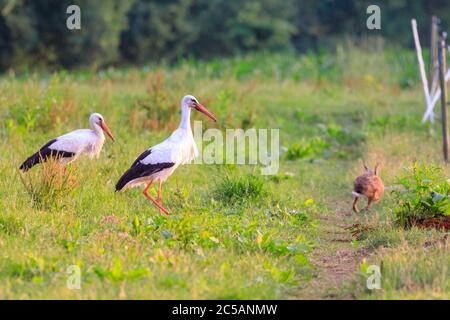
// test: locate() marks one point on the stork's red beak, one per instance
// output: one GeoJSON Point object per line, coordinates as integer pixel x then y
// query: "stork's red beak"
{"type": "Point", "coordinates": [105, 128]}
{"type": "Point", "coordinates": [205, 111]}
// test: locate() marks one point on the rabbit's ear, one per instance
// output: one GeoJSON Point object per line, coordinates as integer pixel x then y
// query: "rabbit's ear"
{"type": "Point", "coordinates": [376, 168]}
{"type": "Point", "coordinates": [365, 167]}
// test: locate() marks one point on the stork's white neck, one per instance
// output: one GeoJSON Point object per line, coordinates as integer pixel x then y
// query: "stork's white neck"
{"type": "Point", "coordinates": [185, 122]}
{"type": "Point", "coordinates": [96, 128]}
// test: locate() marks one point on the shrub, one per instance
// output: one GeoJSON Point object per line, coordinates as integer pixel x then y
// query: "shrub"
{"type": "Point", "coordinates": [334, 140]}
{"type": "Point", "coordinates": [306, 149]}
{"type": "Point", "coordinates": [160, 111]}
{"type": "Point", "coordinates": [10, 225]}
{"type": "Point", "coordinates": [342, 136]}
{"type": "Point", "coordinates": [239, 189]}
{"type": "Point", "coordinates": [425, 194]}
{"type": "Point", "coordinates": [49, 185]}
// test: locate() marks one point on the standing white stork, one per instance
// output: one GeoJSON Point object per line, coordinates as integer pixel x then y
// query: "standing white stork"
{"type": "Point", "coordinates": [70, 146]}
{"type": "Point", "coordinates": [159, 162]}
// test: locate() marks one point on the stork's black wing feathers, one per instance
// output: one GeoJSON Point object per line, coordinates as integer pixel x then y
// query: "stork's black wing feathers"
{"type": "Point", "coordinates": [141, 157]}
{"type": "Point", "coordinates": [43, 155]}
{"type": "Point", "coordinates": [140, 170]}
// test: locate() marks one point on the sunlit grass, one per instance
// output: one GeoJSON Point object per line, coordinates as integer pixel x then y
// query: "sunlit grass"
{"type": "Point", "coordinates": [233, 234]}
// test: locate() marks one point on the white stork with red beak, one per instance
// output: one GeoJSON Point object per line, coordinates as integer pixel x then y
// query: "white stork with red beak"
{"type": "Point", "coordinates": [159, 162]}
{"type": "Point", "coordinates": [70, 146]}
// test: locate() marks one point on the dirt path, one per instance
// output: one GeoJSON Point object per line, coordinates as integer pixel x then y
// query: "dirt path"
{"type": "Point", "coordinates": [334, 257]}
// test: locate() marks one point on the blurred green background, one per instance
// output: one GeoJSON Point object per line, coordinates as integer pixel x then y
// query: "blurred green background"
{"type": "Point", "coordinates": [33, 33]}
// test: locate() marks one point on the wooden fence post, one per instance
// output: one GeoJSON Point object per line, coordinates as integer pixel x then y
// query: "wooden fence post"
{"type": "Point", "coordinates": [441, 59]}
{"type": "Point", "coordinates": [434, 39]}
{"type": "Point", "coordinates": [433, 47]}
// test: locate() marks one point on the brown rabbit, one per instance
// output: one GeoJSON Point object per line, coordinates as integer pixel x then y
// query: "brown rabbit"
{"type": "Point", "coordinates": [369, 185]}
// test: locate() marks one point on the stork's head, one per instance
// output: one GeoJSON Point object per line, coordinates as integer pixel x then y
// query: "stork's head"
{"type": "Point", "coordinates": [98, 122]}
{"type": "Point", "coordinates": [192, 102]}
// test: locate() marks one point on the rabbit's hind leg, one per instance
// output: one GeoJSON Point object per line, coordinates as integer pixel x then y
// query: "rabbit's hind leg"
{"type": "Point", "coordinates": [369, 204]}
{"type": "Point", "coordinates": [355, 208]}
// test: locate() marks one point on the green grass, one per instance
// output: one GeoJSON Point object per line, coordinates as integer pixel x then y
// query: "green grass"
{"type": "Point", "coordinates": [408, 272]}
{"type": "Point", "coordinates": [234, 190]}
{"type": "Point", "coordinates": [233, 234]}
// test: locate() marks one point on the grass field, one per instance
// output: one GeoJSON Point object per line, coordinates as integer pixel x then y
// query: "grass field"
{"type": "Point", "coordinates": [234, 234]}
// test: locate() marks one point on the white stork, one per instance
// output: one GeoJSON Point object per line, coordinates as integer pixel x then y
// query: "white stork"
{"type": "Point", "coordinates": [159, 162]}
{"type": "Point", "coordinates": [70, 146]}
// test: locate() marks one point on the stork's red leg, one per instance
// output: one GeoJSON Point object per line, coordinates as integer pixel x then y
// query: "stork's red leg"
{"type": "Point", "coordinates": [153, 200]}
{"type": "Point", "coordinates": [159, 195]}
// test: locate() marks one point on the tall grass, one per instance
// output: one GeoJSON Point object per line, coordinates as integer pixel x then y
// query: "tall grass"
{"type": "Point", "coordinates": [239, 235]}
{"type": "Point", "coordinates": [240, 189]}
{"type": "Point", "coordinates": [48, 184]}
{"type": "Point", "coordinates": [412, 273]}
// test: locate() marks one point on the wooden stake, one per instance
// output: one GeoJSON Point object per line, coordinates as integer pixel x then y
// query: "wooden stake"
{"type": "Point", "coordinates": [441, 59]}
{"type": "Point", "coordinates": [423, 74]}
{"type": "Point", "coordinates": [433, 48]}
{"type": "Point", "coordinates": [434, 72]}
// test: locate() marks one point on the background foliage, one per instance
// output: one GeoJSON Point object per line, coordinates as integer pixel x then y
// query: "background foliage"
{"type": "Point", "coordinates": [33, 33]}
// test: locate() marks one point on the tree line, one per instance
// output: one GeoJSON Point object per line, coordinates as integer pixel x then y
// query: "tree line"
{"type": "Point", "coordinates": [33, 33]}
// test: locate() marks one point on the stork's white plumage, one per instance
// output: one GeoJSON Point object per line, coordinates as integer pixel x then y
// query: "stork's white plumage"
{"type": "Point", "coordinates": [159, 162]}
{"type": "Point", "coordinates": [70, 146]}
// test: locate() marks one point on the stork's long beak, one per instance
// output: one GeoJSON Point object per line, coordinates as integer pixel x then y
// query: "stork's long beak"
{"type": "Point", "coordinates": [205, 111]}
{"type": "Point", "coordinates": [105, 128]}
